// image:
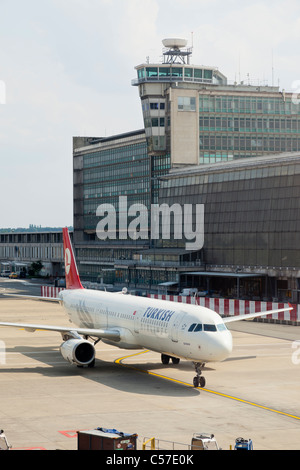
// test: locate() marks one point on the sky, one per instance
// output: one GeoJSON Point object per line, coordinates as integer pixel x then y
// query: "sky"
{"type": "Point", "coordinates": [66, 68]}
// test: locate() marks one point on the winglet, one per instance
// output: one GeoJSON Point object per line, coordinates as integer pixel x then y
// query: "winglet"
{"type": "Point", "coordinates": [71, 271]}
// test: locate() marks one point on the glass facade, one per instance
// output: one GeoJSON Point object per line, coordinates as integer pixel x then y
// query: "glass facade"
{"type": "Point", "coordinates": [114, 172]}
{"type": "Point", "coordinates": [175, 73]}
{"type": "Point", "coordinates": [185, 103]}
{"type": "Point", "coordinates": [155, 123]}
{"type": "Point", "coordinates": [102, 173]}
{"type": "Point", "coordinates": [252, 211]}
{"type": "Point", "coordinates": [232, 126]}
{"type": "Point", "coordinates": [160, 166]}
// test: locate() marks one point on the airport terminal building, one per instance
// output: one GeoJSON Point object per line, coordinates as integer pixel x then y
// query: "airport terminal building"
{"type": "Point", "coordinates": [19, 249]}
{"type": "Point", "coordinates": [233, 148]}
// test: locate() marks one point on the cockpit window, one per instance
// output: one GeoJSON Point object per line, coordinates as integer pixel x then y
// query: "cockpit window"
{"type": "Point", "coordinates": [221, 327]}
{"type": "Point", "coordinates": [208, 327]}
{"type": "Point", "coordinates": [191, 328]}
{"type": "Point", "coordinates": [195, 327]}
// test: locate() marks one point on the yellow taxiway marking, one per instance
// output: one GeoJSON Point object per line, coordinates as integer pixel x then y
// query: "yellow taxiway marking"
{"type": "Point", "coordinates": [224, 395]}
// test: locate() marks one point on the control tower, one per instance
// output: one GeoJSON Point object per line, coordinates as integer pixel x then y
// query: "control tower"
{"type": "Point", "coordinates": [193, 115]}
{"type": "Point", "coordinates": [169, 95]}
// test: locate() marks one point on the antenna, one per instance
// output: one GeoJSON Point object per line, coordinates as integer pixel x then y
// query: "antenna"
{"type": "Point", "coordinates": [272, 69]}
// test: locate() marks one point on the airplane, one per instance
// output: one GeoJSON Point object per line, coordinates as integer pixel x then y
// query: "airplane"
{"type": "Point", "coordinates": [175, 330]}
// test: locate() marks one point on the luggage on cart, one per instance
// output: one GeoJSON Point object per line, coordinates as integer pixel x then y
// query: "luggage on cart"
{"type": "Point", "coordinates": [243, 444]}
{"type": "Point", "coordinates": [106, 439]}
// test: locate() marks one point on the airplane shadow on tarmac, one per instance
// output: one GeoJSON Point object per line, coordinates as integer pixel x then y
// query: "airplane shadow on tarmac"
{"type": "Point", "coordinates": [131, 378]}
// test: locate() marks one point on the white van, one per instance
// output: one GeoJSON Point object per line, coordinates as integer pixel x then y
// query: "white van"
{"type": "Point", "coordinates": [189, 291]}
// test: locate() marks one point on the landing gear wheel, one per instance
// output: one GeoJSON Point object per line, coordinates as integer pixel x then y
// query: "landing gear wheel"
{"type": "Point", "coordinates": [196, 382]}
{"type": "Point", "coordinates": [202, 381]}
{"type": "Point", "coordinates": [165, 359]}
{"type": "Point", "coordinates": [199, 380]}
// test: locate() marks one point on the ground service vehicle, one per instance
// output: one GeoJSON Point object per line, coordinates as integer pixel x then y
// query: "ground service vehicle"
{"type": "Point", "coordinates": [4, 444]}
{"type": "Point", "coordinates": [204, 442]}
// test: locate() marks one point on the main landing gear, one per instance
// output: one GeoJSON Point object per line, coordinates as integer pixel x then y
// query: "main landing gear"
{"type": "Point", "coordinates": [199, 380]}
{"type": "Point", "coordinates": [166, 359]}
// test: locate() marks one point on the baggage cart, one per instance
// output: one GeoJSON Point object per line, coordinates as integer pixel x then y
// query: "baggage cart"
{"type": "Point", "coordinates": [105, 439]}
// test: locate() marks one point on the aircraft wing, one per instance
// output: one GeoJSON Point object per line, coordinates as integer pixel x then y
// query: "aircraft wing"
{"type": "Point", "coordinates": [107, 333]}
{"type": "Point", "coordinates": [248, 316]}
{"type": "Point", "coordinates": [31, 297]}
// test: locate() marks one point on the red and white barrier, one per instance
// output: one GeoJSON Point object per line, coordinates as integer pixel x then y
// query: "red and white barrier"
{"type": "Point", "coordinates": [50, 291]}
{"type": "Point", "coordinates": [228, 307]}
{"type": "Point", "coordinates": [225, 307]}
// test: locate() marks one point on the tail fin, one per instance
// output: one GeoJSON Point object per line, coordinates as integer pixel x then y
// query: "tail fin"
{"type": "Point", "coordinates": [72, 275]}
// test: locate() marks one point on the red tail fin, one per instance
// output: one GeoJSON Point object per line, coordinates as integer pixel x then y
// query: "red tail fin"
{"type": "Point", "coordinates": [72, 275]}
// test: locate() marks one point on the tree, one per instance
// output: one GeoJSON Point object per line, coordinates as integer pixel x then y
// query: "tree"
{"type": "Point", "coordinates": [35, 268]}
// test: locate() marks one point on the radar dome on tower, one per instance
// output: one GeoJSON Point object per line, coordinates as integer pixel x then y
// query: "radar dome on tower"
{"type": "Point", "coordinates": [174, 43]}
{"type": "Point", "coordinates": [176, 51]}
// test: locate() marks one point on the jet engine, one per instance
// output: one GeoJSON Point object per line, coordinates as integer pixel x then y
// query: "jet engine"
{"type": "Point", "coordinates": [78, 351]}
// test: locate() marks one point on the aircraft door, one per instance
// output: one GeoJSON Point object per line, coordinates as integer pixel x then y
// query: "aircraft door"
{"type": "Point", "coordinates": [176, 326]}
{"type": "Point", "coordinates": [137, 320]}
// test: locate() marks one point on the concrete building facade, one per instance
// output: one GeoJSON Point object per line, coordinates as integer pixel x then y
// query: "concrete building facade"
{"type": "Point", "coordinates": [194, 114]}
{"type": "Point", "coordinates": [18, 250]}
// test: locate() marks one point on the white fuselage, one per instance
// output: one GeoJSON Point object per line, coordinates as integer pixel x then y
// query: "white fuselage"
{"type": "Point", "coordinates": [185, 331]}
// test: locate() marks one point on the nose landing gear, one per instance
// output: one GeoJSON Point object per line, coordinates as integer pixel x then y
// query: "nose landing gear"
{"type": "Point", "coordinates": [199, 380]}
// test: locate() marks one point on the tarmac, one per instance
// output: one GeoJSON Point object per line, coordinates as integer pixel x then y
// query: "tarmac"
{"type": "Point", "coordinates": [45, 400]}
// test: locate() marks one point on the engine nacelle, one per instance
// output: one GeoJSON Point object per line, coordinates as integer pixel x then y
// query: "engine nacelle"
{"type": "Point", "coordinates": [78, 351]}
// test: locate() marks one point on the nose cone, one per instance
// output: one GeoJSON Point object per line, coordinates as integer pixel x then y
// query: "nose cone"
{"type": "Point", "coordinates": [226, 344]}
{"type": "Point", "coordinates": [222, 346]}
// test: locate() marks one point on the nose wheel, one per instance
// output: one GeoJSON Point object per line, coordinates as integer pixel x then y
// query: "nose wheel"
{"type": "Point", "coordinates": [199, 380]}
